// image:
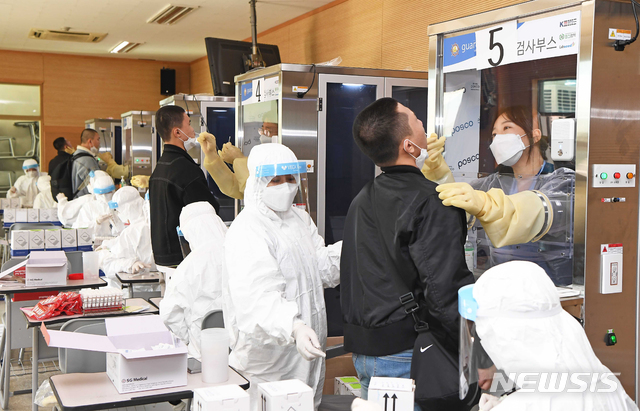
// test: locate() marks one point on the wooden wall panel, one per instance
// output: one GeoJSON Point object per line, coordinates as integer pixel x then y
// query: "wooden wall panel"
{"type": "Point", "coordinates": [49, 134]}
{"type": "Point", "coordinates": [200, 76]}
{"type": "Point", "coordinates": [77, 88]}
{"type": "Point", "coordinates": [21, 67]}
{"type": "Point", "coordinates": [281, 38]}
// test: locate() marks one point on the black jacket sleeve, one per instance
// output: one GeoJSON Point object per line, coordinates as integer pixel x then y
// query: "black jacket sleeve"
{"type": "Point", "coordinates": [198, 190]}
{"type": "Point", "coordinates": [437, 250]}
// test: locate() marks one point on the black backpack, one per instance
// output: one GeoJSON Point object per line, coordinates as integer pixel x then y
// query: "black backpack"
{"type": "Point", "coordinates": [61, 177]}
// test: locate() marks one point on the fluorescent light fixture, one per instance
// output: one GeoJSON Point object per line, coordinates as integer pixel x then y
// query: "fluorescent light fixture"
{"type": "Point", "coordinates": [352, 85]}
{"type": "Point", "coordinates": [124, 47]}
{"type": "Point", "coordinates": [570, 83]}
{"type": "Point", "coordinates": [171, 14]}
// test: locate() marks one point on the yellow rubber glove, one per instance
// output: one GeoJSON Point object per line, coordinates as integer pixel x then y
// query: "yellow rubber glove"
{"type": "Point", "coordinates": [140, 181]}
{"type": "Point", "coordinates": [230, 152]}
{"type": "Point", "coordinates": [217, 169]}
{"type": "Point", "coordinates": [241, 170]}
{"type": "Point", "coordinates": [114, 169]}
{"type": "Point", "coordinates": [69, 150]}
{"type": "Point", "coordinates": [435, 168]}
{"type": "Point", "coordinates": [507, 219]}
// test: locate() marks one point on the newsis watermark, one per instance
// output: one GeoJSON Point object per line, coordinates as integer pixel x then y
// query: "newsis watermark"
{"type": "Point", "coordinates": [556, 382]}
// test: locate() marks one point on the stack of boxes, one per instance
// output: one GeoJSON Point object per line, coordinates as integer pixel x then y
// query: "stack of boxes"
{"type": "Point", "coordinates": [30, 215]}
{"type": "Point", "coordinates": [50, 239]}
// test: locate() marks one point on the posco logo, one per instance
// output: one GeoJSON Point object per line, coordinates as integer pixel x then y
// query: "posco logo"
{"type": "Point", "coordinates": [461, 127]}
{"type": "Point", "coordinates": [468, 160]}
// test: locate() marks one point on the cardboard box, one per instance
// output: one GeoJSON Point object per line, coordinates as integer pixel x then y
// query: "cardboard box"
{"type": "Point", "coordinates": [336, 366]}
{"type": "Point", "coordinates": [15, 202]}
{"type": "Point", "coordinates": [85, 242]}
{"type": "Point", "coordinates": [52, 239]}
{"type": "Point", "coordinates": [36, 240]}
{"type": "Point", "coordinates": [5, 203]}
{"type": "Point", "coordinates": [224, 397]}
{"type": "Point", "coordinates": [285, 395]}
{"type": "Point", "coordinates": [132, 365]}
{"type": "Point", "coordinates": [9, 217]}
{"type": "Point", "coordinates": [32, 215]}
{"type": "Point", "coordinates": [69, 239]}
{"type": "Point", "coordinates": [19, 243]}
{"type": "Point", "coordinates": [46, 268]}
{"type": "Point", "coordinates": [54, 216]}
{"type": "Point", "coordinates": [44, 215]}
{"type": "Point", "coordinates": [21, 215]}
{"type": "Point", "coordinates": [397, 392]}
{"type": "Point", "coordinates": [346, 386]}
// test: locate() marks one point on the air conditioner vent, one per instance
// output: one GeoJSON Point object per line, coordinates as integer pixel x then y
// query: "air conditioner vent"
{"type": "Point", "coordinates": [171, 14]}
{"type": "Point", "coordinates": [63, 35]}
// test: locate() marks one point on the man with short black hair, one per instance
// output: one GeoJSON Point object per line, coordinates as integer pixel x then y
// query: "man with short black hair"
{"type": "Point", "coordinates": [85, 161]}
{"type": "Point", "coordinates": [176, 182]}
{"type": "Point", "coordinates": [398, 238]}
{"type": "Point", "coordinates": [64, 149]}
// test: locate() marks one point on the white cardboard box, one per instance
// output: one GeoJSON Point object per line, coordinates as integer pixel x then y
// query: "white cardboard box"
{"type": "Point", "coordinates": [44, 215]}
{"type": "Point", "coordinates": [224, 397]}
{"type": "Point", "coordinates": [19, 243]}
{"type": "Point", "coordinates": [54, 216]}
{"type": "Point", "coordinates": [84, 239]}
{"type": "Point", "coordinates": [21, 215]}
{"type": "Point", "coordinates": [46, 268]}
{"type": "Point", "coordinates": [36, 240]}
{"type": "Point", "coordinates": [284, 395]}
{"type": "Point", "coordinates": [9, 216]}
{"type": "Point", "coordinates": [52, 239]}
{"type": "Point", "coordinates": [341, 385]}
{"type": "Point", "coordinates": [69, 239]}
{"type": "Point", "coordinates": [398, 393]}
{"type": "Point", "coordinates": [32, 215]}
{"type": "Point", "coordinates": [129, 368]}
{"type": "Point", "coordinates": [15, 202]}
{"type": "Point", "coordinates": [5, 203]}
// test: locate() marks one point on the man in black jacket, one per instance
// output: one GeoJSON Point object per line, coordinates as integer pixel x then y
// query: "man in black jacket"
{"type": "Point", "coordinates": [64, 149]}
{"type": "Point", "coordinates": [398, 237]}
{"type": "Point", "coordinates": [176, 182]}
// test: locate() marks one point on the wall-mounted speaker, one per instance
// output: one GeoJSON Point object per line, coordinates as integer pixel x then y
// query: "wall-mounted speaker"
{"type": "Point", "coordinates": [167, 82]}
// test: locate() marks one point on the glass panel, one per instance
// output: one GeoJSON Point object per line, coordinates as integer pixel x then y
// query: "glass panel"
{"type": "Point", "coordinates": [259, 124]}
{"type": "Point", "coordinates": [415, 98]}
{"type": "Point", "coordinates": [348, 169]}
{"type": "Point", "coordinates": [518, 102]}
{"type": "Point", "coordinates": [19, 100]}
{"type": "Point", "coordinates": [220, 122]}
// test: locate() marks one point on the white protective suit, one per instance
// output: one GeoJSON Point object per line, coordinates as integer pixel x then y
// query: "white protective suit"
{"type": "Point", "coordinates": [524, 329]}
{"type": "Point", "coordinates": [44, 199]}
{"type": "Point", "coordinates": [133, 246]}
{"type": "Point", "coordinates": [92, 214]}
{"type": "Point", "coordinates": [196, 286]}
{"type": "Point", "coordinates": [68, 210]}
{"type": "Point", "coordinates": [25, 186]}
{"type": "Point", "coordinates": [277, 269]}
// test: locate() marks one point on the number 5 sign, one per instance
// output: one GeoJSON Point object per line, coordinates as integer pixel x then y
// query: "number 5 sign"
{"type": "Point", "coordinates": [497, 46]}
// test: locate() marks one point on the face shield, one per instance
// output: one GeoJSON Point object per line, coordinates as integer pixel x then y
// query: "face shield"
{"type": "Point", "coordinates": [30, 168]}
{"type": "Point", "coordinates": [184, 244]}
{"type": "Point", "coordinates": [469, 348]}
{"type": "Point", "coordinates": [286, 185]}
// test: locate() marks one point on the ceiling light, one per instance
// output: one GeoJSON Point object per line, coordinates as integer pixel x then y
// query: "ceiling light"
{"type": "Point", "coordinates": [124, 47]}
{"type": "Point", "coordinates": [171, 14]}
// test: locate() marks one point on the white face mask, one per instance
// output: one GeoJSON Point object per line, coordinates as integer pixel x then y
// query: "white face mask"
{"type": "Point", "coordinates": [190, 142]}
{"type": "Point", "coordinates": [422, 157]}
{"type": "Point", "coordinates": [94, 151]}
{"type": "Point", "coordinates": [507, 148]}
{"type": "Point", "coordinates": [280, 197]}
{"type": "Point", "coordinates": [32, 173]}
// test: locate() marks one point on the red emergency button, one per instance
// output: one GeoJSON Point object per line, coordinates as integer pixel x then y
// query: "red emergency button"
{"type": "Point", "coordinates": [616, 175]}
{"type": "Point", "coordinates": [630, 176]}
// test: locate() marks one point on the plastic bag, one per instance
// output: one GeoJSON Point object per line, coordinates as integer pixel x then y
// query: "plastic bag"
{"type": "Point", "coordinates": [69, 303]}
{"type": "Point", "coordinates": [44, 395]}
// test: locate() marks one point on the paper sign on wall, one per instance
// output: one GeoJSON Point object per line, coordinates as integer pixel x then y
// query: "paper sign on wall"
{"type": "Point", "coordinates": [260, 90]}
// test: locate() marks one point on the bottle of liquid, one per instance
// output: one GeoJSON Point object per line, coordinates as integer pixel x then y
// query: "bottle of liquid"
{"type": "Point", "coordinates": [468, 254]}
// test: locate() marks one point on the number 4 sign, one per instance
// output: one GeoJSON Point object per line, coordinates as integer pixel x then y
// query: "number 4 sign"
{"type": "Point", "coordinates": [496, 46]}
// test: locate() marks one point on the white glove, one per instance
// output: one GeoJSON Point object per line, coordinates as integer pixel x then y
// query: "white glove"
{"type": "Point", "coordinates": [61, 196]}
{"type": "Point", "coordinates": [103, 218]}
{"type": "Point", "coordinates": [307, 341]}
{"type": "Point", "coordinates": [139, 266]}
{"type": "Point", "coordinates": [488, 401]}
{"type": "Point", "coordinates": [363, 405]}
